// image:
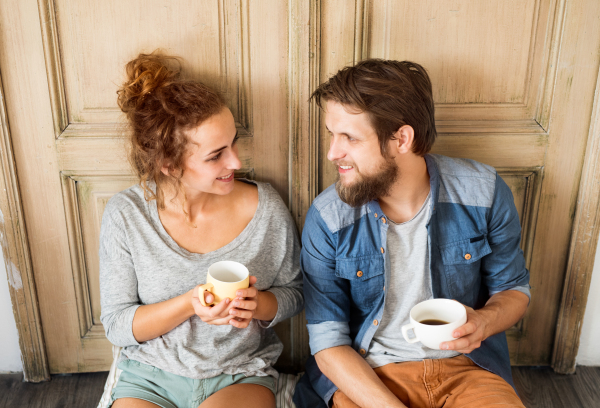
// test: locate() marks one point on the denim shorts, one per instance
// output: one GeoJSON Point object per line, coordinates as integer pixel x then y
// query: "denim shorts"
{"type": "Point", "coordinates": [145, 382]}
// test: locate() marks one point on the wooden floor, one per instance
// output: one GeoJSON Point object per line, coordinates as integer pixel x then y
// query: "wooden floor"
{"type": "Point", "coordinates": [538, 387]}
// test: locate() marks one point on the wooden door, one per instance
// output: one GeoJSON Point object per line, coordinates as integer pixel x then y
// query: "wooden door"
{"type": "Point", "coordinates": [62, 62]}
{"type": "Point", "coordinates": [513, 82]}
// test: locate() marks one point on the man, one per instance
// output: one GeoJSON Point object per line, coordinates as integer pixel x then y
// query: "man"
{"type": "Point", "coordinates": [401, 226]}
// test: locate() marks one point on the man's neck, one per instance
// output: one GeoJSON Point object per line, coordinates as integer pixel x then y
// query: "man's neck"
{"type": "Point", "coordinates": [409, 193]}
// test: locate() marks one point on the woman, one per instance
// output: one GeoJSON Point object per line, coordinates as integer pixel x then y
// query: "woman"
{"type": "Point", "coordinates": [159, 237]}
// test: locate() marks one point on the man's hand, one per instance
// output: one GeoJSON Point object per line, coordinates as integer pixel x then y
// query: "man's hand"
{"type": "Point", "coordinates": [502, 311]}
{"type": "Point", "coordinates": [469, 335]}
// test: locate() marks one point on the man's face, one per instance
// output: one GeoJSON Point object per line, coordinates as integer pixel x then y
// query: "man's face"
{"type": "Point", "coordinates": [364, 174]}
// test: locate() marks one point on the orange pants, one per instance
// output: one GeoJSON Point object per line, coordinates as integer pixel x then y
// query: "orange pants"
{"type": "Point", "coordinates": [449, 382]}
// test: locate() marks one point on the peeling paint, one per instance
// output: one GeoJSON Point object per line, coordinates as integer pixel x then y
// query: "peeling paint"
{"type": "Point", "coordinates": [14, 277]}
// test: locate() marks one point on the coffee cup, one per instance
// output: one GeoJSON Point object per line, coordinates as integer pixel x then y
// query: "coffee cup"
{"type": "Point", "coordinates": [433, 322]}
{"type": "Point", "coordinates": [223, 280]}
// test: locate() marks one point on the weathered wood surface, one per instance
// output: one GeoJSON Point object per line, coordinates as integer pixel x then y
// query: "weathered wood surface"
{"type": "Point", "coordinates": [537, 387]}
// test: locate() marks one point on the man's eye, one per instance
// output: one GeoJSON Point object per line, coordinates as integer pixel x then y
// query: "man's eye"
{"type": "Point", "coordinates": [235, 139]}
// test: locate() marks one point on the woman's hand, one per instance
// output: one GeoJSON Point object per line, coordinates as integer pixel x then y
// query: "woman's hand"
{"type": "Point", "coordinates": [244, 306]}
{"type": "Point", "coordinates": [217, 314]}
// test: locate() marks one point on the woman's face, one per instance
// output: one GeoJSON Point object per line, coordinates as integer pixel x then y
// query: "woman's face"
{"type": "Point", "coordinates": [212, 156]}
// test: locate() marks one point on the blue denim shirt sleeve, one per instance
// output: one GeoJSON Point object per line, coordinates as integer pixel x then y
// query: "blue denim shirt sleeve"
{"type": "Point", "coordinates": [504, 268]}
{"type": "Point", "coordinates": [327, 297]}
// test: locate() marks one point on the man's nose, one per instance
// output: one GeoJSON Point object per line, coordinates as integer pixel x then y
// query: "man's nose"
{"type": "Point", "coordinates": [335, 150]}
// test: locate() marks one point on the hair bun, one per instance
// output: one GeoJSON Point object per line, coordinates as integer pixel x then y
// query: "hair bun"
{"type": "Point", "coordinates": [145, 75]}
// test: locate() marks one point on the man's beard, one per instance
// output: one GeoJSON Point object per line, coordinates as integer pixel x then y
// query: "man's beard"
{"type": "Point", "coordinates": [369, 187]}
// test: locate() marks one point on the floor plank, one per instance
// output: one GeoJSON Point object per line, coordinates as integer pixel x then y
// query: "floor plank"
{"type": "Point", "coordinates": [538, 387]}
{"type": "Point", "coordinates": [64, 391]}
{"type": "Point", "coordinates": [542, 387]}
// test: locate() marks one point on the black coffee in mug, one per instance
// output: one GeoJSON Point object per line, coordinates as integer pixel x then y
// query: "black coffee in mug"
{"type": "Point", "coordinates": [433, 322]}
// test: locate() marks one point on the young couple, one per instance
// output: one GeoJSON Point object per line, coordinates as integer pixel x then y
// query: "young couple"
{"type": "Point", "coordinates": [400, 226]}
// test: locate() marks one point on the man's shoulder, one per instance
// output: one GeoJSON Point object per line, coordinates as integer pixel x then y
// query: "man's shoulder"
{"type": "Point", "coordinates": [456, 168]}
{"type": "Point", "coordinates": [465, 181]}
{"type": "Point", "coordinates": [335, 213]}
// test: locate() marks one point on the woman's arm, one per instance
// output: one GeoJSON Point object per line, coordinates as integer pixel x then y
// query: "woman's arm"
{"type": "Point", "coordinates": [151, 321]}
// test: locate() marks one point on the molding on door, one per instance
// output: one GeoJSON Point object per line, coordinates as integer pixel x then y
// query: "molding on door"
{"type": "Point", "coordinates": [56, 86]}
{"type": "Point", "coordinates": [582, 252]}
{"type": "Point", "coordinates": [304, 62]}
{"type": "Point", "coordinates": [15, 248]}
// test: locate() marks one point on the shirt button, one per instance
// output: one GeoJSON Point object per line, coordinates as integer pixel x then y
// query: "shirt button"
{"type": "Point", "coordinates": [468, 256]}
{"type": "Point", "coordinates": [383, 219]}
{"type": "Point", "coordinates": [384, 288]}
{"type": "Point", "coordinates": [383, 251]}
{"type": "Point", "coordinates": [362, 351]}
{"type": "Point", "coordinates": [375, 215]}
{"type": "Point", "coordinates": [375, 322]}
{"type": "Point", "coordinates": [359, 274]}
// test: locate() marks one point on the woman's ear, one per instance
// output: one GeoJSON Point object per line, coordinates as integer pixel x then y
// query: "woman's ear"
{"type": "Point", "coordinates": [166, 168]}
{"type": "Point", "coordinates": [403, 140]}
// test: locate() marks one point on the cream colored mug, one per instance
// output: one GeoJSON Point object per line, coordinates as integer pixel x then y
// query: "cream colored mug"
{"type": "Point", "coordinates": [223, 280]}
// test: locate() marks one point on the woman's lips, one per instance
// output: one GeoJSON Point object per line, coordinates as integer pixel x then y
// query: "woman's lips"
{"type": "Point", "coordinates": [226, 179]}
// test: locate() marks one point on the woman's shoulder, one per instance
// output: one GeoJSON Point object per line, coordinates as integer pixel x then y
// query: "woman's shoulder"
{"type": "Point", "coordinates": [126, 203]}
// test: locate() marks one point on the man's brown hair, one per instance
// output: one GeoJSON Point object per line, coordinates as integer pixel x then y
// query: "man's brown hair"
{"type": "Point", "coordinates": [392, 93]}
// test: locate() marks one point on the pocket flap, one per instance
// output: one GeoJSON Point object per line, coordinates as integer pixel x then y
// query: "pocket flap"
{"type": "Point", "coordinates": [465, 251]}
{"type": "Point", "coordinates": [361, 268]}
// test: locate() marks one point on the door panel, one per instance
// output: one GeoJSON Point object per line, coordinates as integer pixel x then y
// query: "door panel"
{"type": "Point", "coordinates": [78, 51]}
{"type": "Point", "coordinates": [499, 96]}
{"type": "Point", "coordinates": [504, 95]}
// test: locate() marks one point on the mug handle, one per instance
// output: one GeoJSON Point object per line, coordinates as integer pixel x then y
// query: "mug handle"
{"type": "Point", "coordinates": [207, 287]}
{"type": "Point", "coordinates": [405, 330]}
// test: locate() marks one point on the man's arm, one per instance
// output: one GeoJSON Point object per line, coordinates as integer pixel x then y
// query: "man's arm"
{"type": "Point", "coordinates": [355, 378]}
{"type": "Point", "coordinates": [502, 270]}
{"type": "Point", "coordinates": [502, 311]}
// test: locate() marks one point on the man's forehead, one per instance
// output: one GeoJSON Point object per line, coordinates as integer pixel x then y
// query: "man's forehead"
{"type": "Point", "coordinates": [343, 118]}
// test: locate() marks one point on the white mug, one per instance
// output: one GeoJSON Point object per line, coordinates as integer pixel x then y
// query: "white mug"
{"type": "Point", "coordinates": [450, 312]}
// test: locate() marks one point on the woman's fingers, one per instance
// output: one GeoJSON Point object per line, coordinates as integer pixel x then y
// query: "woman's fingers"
{"type": "Point", "coordinates": [250, 292]}
{"type": "Point", "coordinates": [240, 323]}
{"type": "Point", "coordinates": [244, 314]}
{"type": "Point", "coordinates": [245, 304]}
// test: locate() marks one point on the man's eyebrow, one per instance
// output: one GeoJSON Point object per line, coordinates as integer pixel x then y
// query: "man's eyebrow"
{"type": "Point", "coordinates": [343, 133]}
{"type": "Point", "coordinates": [221, 148]}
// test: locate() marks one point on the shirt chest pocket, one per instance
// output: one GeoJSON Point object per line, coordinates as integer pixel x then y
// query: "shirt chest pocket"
{"type": "Point", "coordinates": [462, 263]}
{"type": "Point", "coordinates": [366, 278]}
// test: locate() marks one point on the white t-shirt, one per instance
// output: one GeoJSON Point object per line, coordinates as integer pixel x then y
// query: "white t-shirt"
{"type": "Point", "coordinates": [409, 284]}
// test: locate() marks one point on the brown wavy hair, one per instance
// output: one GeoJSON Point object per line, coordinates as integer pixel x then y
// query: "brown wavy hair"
{"type": "Point", "coordinates": [392, 93]}
{"type": "Point", "coordinates": [161, 107]}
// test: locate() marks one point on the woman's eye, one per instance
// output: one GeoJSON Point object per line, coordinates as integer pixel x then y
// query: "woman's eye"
{"type": "Point", "coordinates": [215, 157]}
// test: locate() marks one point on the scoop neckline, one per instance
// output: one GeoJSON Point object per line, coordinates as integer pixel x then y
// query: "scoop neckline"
{"type": "Point", "coordinates": [241, 238]}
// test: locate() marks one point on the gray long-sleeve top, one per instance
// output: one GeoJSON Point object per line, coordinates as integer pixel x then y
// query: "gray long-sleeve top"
{"type": "Point", "coordinates": [141, 264]}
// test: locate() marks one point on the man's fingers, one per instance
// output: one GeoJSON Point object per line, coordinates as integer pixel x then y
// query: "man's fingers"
{"type": "Point", "coordinates": [463, 343]}
{"type": "Point", "coordinates": [464, 330]}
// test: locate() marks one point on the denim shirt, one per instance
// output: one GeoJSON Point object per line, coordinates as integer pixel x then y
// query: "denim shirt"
{"type": "Point", "coordinates": [473, 237]}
